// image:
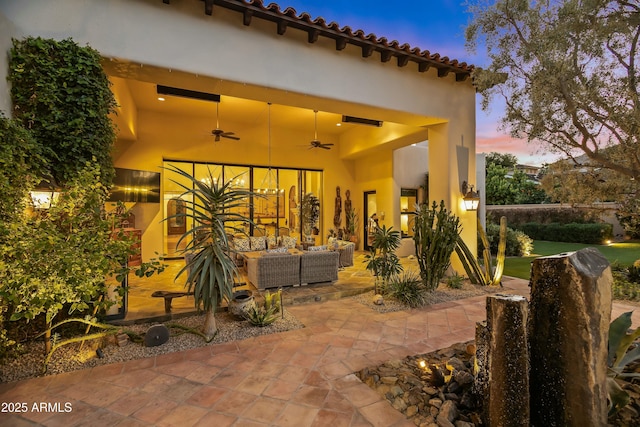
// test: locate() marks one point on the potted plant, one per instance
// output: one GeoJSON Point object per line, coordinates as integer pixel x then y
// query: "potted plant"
{"type": "Point", "coordinates": [213, 209]}
{"type": "Point", "coordinates": [351, 229]}
{"type": "Point", "coordinates": [310, 213]}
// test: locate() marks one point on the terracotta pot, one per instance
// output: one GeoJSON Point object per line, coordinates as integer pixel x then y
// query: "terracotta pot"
{"type": "Point", "coordinates": [241, 302]}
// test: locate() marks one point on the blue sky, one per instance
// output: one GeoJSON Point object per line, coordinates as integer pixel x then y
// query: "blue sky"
{"type": "Point", "coordinates": [433, 25]}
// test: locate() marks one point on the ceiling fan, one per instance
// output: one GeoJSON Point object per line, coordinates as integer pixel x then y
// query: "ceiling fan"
{"type": "Point", "coordinates": [316, 143]}
{"type": "Point", "coordinates": [217, 132]}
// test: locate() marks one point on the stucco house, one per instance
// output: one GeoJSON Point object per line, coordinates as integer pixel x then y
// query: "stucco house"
{"type": "Point", "coordinates": [385, 113]}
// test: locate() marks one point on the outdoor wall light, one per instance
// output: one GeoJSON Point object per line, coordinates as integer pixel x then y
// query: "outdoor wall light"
{"type": "Point", "coordinates": [45, 194]}
{"type": "Point", "coordinates": [470, 198]}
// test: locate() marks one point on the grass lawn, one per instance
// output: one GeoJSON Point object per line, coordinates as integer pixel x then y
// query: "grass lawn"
{"type": "Point", "coordinates": [621, 253]}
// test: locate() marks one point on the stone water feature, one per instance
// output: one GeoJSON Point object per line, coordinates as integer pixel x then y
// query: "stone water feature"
{"type": "Point", "coordinates": [564, 346]}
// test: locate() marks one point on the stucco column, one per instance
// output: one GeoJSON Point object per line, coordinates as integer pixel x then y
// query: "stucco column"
{"type": "Point", "coordinates": [447, 170]}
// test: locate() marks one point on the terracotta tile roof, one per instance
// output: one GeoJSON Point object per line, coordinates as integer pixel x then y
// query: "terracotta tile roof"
{"type": "Point", "coordinates": [317, 27]}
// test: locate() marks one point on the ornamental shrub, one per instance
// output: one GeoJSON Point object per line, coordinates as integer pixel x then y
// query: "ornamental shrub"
{"type": "Point", "coordinates": [624, 288]}
{"type": "Point", "coordinates": [57, 260]}
{"type": "Point", "coordinates": [518, 243]}
{"type": "Point", "coordinates": [407, 288]}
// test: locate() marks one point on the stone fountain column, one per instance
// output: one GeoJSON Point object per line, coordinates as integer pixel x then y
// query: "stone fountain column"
{"type": "Point", "coordinates": [569, 318]}
{"type": "Point", "coordinates": [503, 359]}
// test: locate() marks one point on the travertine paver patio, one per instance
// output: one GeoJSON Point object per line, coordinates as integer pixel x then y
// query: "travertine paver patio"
{"type": "Point", "coordinates": [296, 378]}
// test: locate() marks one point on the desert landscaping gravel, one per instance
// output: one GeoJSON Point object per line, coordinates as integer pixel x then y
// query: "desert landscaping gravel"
{"type": "Point", "coordinates": [68, 358]}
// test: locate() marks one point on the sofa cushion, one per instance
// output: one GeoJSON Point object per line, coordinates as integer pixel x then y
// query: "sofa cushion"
{"type": "Point", "coordinates": [317, 248]}
{"type": "Point", "coordinates": [282, 250]}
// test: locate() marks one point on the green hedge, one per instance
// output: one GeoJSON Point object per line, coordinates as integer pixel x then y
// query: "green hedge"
{"type": "Point", "coordinates": [549, 215]}
{"type": "Point", "coordinates": [518, 243]}
{"type": "Point", "coordinates": [571, 233]}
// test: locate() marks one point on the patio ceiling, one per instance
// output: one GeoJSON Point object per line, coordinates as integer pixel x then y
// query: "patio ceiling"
{"type": "Point", "coordinates": [245, 105]}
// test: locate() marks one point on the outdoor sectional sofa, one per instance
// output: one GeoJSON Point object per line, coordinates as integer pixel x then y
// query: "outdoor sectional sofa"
{"type": "Point", "coordinates": [319, 266]}
{"type": "Point", "coordinates": [271, 270]}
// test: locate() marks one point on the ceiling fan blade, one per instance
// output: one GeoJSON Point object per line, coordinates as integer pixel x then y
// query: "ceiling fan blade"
{"type": "Point", "coordinates": [217, 137]}
{"type": "Point", "coordinates": [324, 147]}
{"type": "Point", "coordinates": [229, 135]}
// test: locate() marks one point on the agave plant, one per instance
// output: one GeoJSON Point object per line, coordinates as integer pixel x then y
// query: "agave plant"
{"type": "Point", "coordinates": [212, 207]}
{"type": "Point", "coordinates": [623, 350]}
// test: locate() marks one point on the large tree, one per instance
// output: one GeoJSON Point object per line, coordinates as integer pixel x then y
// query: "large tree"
{"type": "Point", "coordinates": [567, 71]}
{"type": "Point", "coordinates": [505, 185]}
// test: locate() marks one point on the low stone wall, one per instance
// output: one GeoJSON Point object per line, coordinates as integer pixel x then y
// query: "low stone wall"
{"type": "Point", "coordinates": [518, 214]}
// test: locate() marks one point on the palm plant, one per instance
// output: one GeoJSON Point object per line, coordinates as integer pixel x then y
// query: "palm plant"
{"type": "Point", "coordinates": [382, 260]}
{"type": "Point", "coordinates": [213, 208]}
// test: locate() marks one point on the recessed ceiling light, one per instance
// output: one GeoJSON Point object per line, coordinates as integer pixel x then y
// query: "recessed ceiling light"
{"type": "Point", "coordinates": [338, 124]}
{"type": "Point", "coordinates": [160, 98]}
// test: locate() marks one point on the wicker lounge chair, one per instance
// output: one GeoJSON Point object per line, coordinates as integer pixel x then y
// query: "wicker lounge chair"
{"type": "Point", "coordinates": [346, 250]}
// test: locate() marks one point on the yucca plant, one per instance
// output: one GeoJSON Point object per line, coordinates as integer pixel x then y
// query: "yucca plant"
{"type": "Point", "coordinates": [382, 260]}
{"type": "Point", "coordinates": [212, 206]}
{"type": "Point", "coordinates": [435, 234]}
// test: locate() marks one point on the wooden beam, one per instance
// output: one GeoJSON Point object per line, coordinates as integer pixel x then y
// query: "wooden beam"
{"type": "Point", "coordinates": [460, 77]}
{"type": "Point", "coordinates": [403, 61]}
{"type": "Point", "coordinates": [313, 35]}
{"type": "Point", "coordinates": [282, 27]}
{"type": "Point", "coordinates": [341, 43]}
{"type": "Point", "coordinates": [385, 55]}
{"type": "Point", "coordinates": [246, 17]}
{"type": "Point", "coordinates": [367, 51]}
{"type": "Point", "coordinates": [208, 7]}
{"type": "Point", "coordinates": [443, 72]}
{"type": "Point", "coordinates": [423, 66]}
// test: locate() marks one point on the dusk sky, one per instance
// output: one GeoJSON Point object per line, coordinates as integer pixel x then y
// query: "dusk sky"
{"type": "Point", "coordinates": [433, 25]}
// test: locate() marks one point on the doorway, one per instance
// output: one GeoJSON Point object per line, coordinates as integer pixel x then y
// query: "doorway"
{"type": "Point", "coordinates": [370, 208]}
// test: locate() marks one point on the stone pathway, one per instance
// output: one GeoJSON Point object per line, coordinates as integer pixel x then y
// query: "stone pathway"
{"type": "Point", "coordinates": [296, 378]}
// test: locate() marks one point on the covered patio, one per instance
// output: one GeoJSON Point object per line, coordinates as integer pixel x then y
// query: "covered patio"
{"type": "Point", "coordinates": [387, 112]}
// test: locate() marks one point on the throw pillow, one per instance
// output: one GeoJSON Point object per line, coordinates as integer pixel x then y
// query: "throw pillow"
{"type": "Point", "coordinates": [258, 243]}
{"type": "Point", "coordinates": [317, 248]}
{"type": "Point", "coordinates": [241, 245]}
{"type": "Point", "coordinates": [271, 242]}
{"type": "Point", "coordinates": [289, 242]}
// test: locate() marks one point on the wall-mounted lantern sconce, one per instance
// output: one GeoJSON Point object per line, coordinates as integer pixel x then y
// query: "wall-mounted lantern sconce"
{"type": "Point", "coordinates": [470, 198]}
{"type": "Point", "coordinates": [45, 194]}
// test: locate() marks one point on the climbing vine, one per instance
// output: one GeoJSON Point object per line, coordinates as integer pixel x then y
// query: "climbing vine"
{"type": "Point", "coordinates": [62, 94]}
